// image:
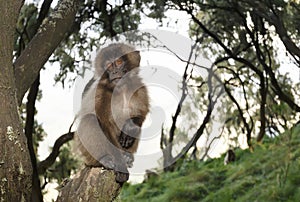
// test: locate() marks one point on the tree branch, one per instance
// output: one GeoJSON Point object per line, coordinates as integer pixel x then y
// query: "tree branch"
{"type": "Point", "coordinates": [90, 184]}
{"type": "Point", "coordinates": [277, 88]}
{"type": "Point", "coordinates": [167, 151]}
{"type": "Point", "coordinates": [30, 110]}
{"type": "Point", "coordinates": [45, 164]}
{"type": "Point", "coordinates": [29, 127]}
{"type": "Point", "coordinates": [210, 108]}
{"type": "Point", "coordinates": [248, 128]}
{"type": "Point", "coordinates": [36, 54]}
{"type": "Point", "coordinates": [274, 19]}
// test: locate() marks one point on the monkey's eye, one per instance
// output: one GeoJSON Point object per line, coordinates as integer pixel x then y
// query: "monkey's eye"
{"type": "Point", "coordinates": [119, 62]}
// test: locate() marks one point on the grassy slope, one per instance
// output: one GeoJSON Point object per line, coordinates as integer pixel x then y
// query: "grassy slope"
{"type": "Point", "coordinates": [270, 173]}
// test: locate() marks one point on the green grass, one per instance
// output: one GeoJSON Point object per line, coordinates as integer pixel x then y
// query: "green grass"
{"type": "Point", "coordinates": [270, 173]}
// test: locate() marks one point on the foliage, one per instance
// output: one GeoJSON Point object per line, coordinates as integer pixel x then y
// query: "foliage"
{"type": "Point", "coordinates": [25, 27]}
{"type": "Point", "coordinates": [270, 173]}
{"type": "Point", "coordinates": [95, 21]}
{"type": "Point", "coordinates": [249, 41]}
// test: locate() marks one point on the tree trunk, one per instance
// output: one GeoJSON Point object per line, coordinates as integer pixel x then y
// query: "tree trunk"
{"type": "Point", "coordinates": [15, 167]}
{"type": "Point", "coordinates": [90, 184]}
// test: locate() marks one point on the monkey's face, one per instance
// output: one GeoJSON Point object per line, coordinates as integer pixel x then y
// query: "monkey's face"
{"type": "Point", "coordinates": [116, 69]}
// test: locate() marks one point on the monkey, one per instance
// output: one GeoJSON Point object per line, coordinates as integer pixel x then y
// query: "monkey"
{"type": "Point", "coordinates": [149, 174]}
{"type": "Point", "coordinates": [230, 157]}
{"type": "Point", "coordinates": [115, 103]}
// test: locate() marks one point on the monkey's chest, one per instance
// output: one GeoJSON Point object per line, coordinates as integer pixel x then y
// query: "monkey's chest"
{"type": "Point", "coordinates": [120, 112]}
{"type": "Point", "coordinates": [124, 105]}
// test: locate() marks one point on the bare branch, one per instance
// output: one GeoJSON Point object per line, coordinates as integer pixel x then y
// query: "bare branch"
{"type": "Point", "coordinates": [210, 144]}
{"type": "Point", "coordinates": [167, 151]}
{"type": "Point", "coordinates": [182, 98]}
{"type": "Point", "coordinates": [45, 164]}
{"type": "Point", "coordinates": [210, 108]}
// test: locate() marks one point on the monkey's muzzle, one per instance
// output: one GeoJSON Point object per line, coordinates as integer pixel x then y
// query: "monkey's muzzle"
{"type": "Point", "coordinates": [116, 75]}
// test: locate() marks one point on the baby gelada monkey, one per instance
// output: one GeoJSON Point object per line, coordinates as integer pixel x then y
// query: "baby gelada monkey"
{"type": "Point", "coordinates": [114, 105]}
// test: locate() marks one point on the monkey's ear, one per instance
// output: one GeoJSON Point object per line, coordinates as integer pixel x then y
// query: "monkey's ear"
{"type": "Point", "coordinates": [134, 58]}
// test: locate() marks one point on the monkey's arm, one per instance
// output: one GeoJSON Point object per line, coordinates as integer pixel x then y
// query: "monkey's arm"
{"type": "Point", "coordinates": [131, 130]}
{"type": "Point", "coordinates": [109, 123]}
{"type": "Point", "coordinates": [98, 150]}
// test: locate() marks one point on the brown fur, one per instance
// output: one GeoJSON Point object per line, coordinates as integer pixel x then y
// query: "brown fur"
{"type": "Point", "coordinates": [112, 112]}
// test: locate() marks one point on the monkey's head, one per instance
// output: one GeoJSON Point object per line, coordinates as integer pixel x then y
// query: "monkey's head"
{"type": "Point", "coordinates": [115, 60]}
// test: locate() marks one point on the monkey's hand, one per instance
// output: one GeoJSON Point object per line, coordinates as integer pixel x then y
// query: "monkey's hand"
{"type": "Point", "coordinates": [130, 132]}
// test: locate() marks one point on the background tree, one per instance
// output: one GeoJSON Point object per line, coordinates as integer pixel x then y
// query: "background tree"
{"type": "Point", "coordinates": [246, 40]}
{"type": "Point", "coordinates": [39, 33]}
{"type": "Point", "coordinates": [15, 169]}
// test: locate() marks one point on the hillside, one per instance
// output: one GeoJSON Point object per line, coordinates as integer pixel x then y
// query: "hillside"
{"type": "Point", "coordinates": [270, 173]}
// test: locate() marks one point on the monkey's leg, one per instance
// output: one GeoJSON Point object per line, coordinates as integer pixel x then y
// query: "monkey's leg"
{"type": "Point", "coordinates": [107, 161]}
{"type": "Point", "coordinates": [97, 148]}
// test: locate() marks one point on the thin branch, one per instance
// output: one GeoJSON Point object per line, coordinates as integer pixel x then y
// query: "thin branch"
{"type": "Point", "coordinates": [45, 164]}
{"type": "Point", "coordinates": [182, 98]}
{"type": "Point", "coordinates": [248, 129]}
{"type": "Point", "coordinates": [206, 119]}
{"type": "Point", "coordinates": [167, 151]}
{"type": "Point", "coordinates": [281, 30]}
{"type": "Point", "coordinates": [276, 87]}
{"type": "Point", "coordinates": [209, 146]}
{"type": "Point", "coordinates": [236, 75]}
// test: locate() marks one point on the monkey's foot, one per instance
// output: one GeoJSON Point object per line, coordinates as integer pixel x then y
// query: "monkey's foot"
{"type": "Point", "coordinates": [108, 162]}
{"type": "Point", "coordinates": [122, 177]}
{"type": "Point", "coordinates": [128, 157]}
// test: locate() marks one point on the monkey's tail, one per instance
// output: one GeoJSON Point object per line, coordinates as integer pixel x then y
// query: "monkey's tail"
{"type": "Point", "coordinates": [70, 128]}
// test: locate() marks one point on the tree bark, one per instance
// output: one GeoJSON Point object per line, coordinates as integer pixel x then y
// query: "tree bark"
{"type": "Point", "coordinates": [90, 184]}
{"type": "Point", "coordinates": [15, 167]}
{"type": "Point", "coordinates": [51, 33]}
